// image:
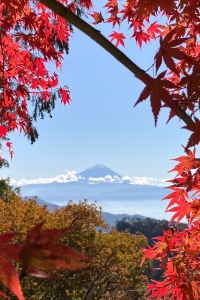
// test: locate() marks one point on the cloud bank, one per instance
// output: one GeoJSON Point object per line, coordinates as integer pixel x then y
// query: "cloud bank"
{"type": "Point", "coordinates": [70, 176]}
{"type": "Point", "coordinates": [128, 180]}
{"type": "Point", "coordinates": [73, 176]}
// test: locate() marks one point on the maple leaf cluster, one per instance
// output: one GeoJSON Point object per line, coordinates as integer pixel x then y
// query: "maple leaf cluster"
{"type": "Point", "coordinates": [37, 36]}
{"type": "Point", "coordinates": [178, 251]}
{"type": "Point", "coordinates": [31, 37]}
{"type": "Point", "coordinates": [175, 24]}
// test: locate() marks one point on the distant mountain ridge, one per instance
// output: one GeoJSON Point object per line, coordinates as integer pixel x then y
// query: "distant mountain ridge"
{"type": "Point", "coordinates": [109, 218]}
{"type": "Point", "coordinates": [51, 207]}
{"type": "Point", "coordinates": [98, 170]}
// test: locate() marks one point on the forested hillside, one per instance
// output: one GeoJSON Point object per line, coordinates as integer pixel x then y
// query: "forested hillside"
{"type": "Point", "coordinates": [111, 269]}
{"type": "Point", "coordinates": [149, 227]}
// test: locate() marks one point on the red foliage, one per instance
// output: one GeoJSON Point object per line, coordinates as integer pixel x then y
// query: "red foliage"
{"type": "Point", "coordinates": [36, 29]}
{"type": "Point", "coordinates": [30, 37]}
{"type": "Point", "coordinates": [176, 24]}
{"type": "Point", "coordinates": [178, 252]}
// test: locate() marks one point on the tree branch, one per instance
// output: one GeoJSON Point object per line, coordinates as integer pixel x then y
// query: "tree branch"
{"type": "Point", "coordinates": [94, 34]}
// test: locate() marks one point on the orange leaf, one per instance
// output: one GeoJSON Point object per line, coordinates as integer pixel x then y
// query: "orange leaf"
{"type": "Point", "coordinates": [98, 18]}
{"type": "Point", "coordinates": [186, 163]}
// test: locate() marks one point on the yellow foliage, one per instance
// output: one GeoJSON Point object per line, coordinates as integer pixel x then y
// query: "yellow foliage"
{"type": "Point", "coordinates": [114, 270]}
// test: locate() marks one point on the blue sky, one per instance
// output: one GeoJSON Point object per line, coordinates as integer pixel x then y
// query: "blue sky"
{"type": "Point", "coordinates": [100, 125]}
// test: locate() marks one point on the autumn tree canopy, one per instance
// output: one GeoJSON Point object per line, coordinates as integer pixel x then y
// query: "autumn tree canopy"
{"type": "Point", "coordinates": [113, 270]}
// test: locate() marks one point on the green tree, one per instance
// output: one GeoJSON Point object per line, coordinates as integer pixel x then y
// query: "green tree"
{"type": "Point", "coordinates": [149, 227]}
{"type": "Point", "coordinates": [7, 191]}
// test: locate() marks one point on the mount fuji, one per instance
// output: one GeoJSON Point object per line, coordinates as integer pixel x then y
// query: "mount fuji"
{"type": "Point", "coordinates": [110, 190]}
{"type": "Point", "coordinates": [98, 170]}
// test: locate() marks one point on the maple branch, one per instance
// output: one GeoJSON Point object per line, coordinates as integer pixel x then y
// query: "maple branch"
{"type": "Point", "coordinates": [96, 35]}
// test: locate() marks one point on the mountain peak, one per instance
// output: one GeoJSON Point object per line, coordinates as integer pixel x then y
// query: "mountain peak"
{"type": "Point", "coordinates": [99, 166]}
{"type": "Point", "coordinates": [98, 170]}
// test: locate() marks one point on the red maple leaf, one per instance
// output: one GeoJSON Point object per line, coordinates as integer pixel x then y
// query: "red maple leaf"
{"type": "Point", "coordinates": [141, 37]}
{"type": "Point", "coordinates": [42, 253]}
{"type": "Point", "coordinates": [156, 90]}
{"type": "Point", "coordinates": [98, 18]}
{"type": "Point", "coordinates": [119, 37]}
{"type": "Point", "coordinates": [114, 19]}
{"type": "Point", "coordinates": [186, 162]}
{"type": "Point", "coordinates": [181, 210]}
{"type": "Point", "coordinates": [65, 95]}
{"type": "Point", "coordinates": [154, 29]}
{"type": "Point", "coordinates": [195, 136]}
{"type": "Point", "coordinates": [112, 6]}
{"type": "Point", "coordinates": [3, 131]}
{"type": "Point", "coordinates": [111, 3]}
{"type": "Point", "coordinates": [8, 273]}
{"type": "Point", "coordinates": [176, 196]}
{"type": "Point", "coordinates": [169, 51]}
{"type": "Point", "coordinates": [86, 3]}
{"type": "Point", "coordinates": [10, 149]}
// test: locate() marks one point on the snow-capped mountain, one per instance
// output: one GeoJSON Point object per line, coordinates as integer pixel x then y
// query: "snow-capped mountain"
{"type": "Point", "coordinates": [113, 192]}
{"type": "Point", "coordinates": [97, 171]}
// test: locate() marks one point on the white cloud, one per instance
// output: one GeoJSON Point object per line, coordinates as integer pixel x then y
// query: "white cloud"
{"type": "Point", "coordinates": [105, 179]}
{"type": "Point", "coordinates": [144, 180]}
{"type": "Point", "coordinates": [72, 176]}
{"type": "Point", "coordinates": [128, 179]}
